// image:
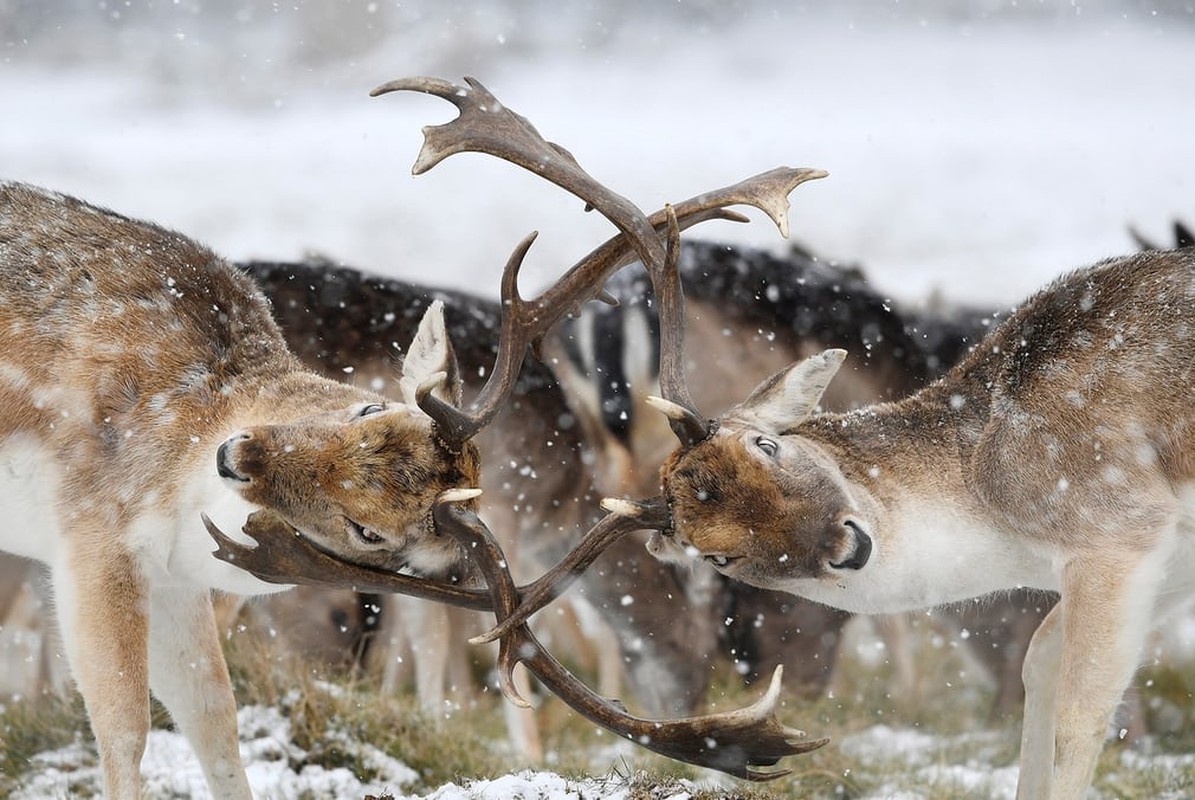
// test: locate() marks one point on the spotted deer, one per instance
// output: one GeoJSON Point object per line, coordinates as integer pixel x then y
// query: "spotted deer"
{"type": "Point", "coordinates": [1057, 455]}
{"type": "Point", "coordinates": [143, 382]}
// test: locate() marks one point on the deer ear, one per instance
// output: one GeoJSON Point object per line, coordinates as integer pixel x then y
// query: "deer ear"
{"type": "Point", "coordinates": [789, 396]}
{"type": "Point", "coordinates": [431, 352]}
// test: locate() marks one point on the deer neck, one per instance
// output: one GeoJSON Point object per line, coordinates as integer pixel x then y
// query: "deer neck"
{"type": "Point", "coordinates": [901, 449]}
{"type": "Point", "coordinates": [907, 466]}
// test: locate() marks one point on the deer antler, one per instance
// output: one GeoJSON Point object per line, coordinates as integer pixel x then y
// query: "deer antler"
{"type": "Point", "coordinates": [733, 742]}
{"type": "Point", "coordinates": [283, 555]}
{"type": "Point", "coordinates": [485, 125]}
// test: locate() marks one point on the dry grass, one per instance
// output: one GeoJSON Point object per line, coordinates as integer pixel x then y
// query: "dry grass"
{"type": "Point", "coordinates": [934, 741]}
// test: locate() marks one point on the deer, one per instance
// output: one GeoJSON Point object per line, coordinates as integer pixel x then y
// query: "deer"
{"type": "Point", "coordinates": [1057, 455]}
{"type": "Point", "coordinates": [538, 486]}
{"type": "Point", "coordinates": [748, 312]}
{"type": "Point", "coordinates": [144, 383]}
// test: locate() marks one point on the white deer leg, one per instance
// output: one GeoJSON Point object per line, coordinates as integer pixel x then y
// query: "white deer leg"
{"type": "Point", "coordinates": [189, 675]}
{"type": "Point", "coordinates": [101, 601]}
{"type": "Point", "coordinates": [1040, 674]}
{"type": "Point", "coordinates": [1108, 604]}
{"type": "Point", "coordinates": [430, 626]}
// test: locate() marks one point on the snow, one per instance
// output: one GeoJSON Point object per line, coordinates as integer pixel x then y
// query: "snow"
{"type": "Point", "coordinates": [974, 151]}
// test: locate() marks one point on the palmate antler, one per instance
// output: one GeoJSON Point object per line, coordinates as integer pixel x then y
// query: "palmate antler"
{"type": "Point", "coordinates": [734, 742]}
{"type": "Point", "coordinates": [282, 555]}
{"type": "Point", "coordinates": [485, 125]}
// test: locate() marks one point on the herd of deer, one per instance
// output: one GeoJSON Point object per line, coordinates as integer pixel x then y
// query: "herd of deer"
{"type": "Point", "coordinates": [154, 398]}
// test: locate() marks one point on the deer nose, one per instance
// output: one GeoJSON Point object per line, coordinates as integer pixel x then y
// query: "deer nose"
{"type": "Point", "coordinates": [224, 466]}
{"type": "Point", "coordinates": [862, 551]}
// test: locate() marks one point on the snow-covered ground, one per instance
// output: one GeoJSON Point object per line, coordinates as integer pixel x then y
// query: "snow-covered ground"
{"type": "Point", "coordinates": [975, 149]}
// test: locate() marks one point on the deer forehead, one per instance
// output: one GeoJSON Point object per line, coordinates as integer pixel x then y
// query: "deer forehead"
{"type": "Point", "coordinates": [724, 479]}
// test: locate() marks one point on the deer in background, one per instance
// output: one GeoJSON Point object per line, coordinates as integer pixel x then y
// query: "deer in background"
{"type": "Point", "coordinates": [1057, 455]}
{"type": "Point", "coordinates": [142, 382]}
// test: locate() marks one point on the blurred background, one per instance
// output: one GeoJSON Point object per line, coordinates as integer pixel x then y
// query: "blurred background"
{"type": "Point", "coordinates": [976, 149]}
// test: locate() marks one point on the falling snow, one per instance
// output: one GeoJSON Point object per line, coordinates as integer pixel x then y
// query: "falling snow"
{"type": "Point", "coordinates": [969, 157]}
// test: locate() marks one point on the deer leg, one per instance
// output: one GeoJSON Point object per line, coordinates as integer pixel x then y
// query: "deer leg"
{"type": "Point", "coordinates": [1040, 674]}
{"type": "Point", "coordinates": [101, 602]}
{"type": "Point", "coordinates": [1108, 606]}
{"type": "Point", "coordinates": [429, 630]}
{"type": "Point", "coordinates": [187, 672]}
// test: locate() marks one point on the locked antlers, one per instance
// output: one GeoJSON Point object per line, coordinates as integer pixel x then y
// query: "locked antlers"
{"type": "Point", "coordinates": [735, 742]}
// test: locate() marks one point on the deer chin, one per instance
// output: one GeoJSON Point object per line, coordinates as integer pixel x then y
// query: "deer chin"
{"type": "Point", "coordinates": [667, 548]}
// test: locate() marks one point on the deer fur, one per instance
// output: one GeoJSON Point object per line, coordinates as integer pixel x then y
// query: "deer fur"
{"type": "Point", "coordinates": [143, 382]}
{"type": "Point", "coordinates": [1059, 455]}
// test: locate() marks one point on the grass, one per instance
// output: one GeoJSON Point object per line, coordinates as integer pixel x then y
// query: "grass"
{"type": "Point", "coordinates": [934, 741]}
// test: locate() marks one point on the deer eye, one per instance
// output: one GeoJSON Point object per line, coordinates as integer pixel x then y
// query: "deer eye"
{"type": "Point", "coordinates": [363, 534]}
{"type": "Point", "coordinates": [719, 560]}
{"type": "Point", "coordinates": [372, 408]}
{"type": "Point", "coordinates": [768, 446]}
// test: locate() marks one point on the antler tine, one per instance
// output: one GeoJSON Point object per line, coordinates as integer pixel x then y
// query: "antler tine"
{"type": "Point", "coordinates": [768, 192]}
{"type": "Point", "coordinates": [624, 517]}
{"type": "Point", "coordinates": [688, 425]}
{"type": "Point", "coordinates": [734, 742]}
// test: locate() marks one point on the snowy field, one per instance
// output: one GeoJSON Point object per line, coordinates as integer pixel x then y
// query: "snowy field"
{"type": "Point", "coordinates": [975, 150]}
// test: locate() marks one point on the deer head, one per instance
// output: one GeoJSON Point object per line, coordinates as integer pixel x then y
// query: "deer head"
{"type": "Point", "coordinates": [359, 480]}
{"type": "Point", "coordinates": [761, 504]}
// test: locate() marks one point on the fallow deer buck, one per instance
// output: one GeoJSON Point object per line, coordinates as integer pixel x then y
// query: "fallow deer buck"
{"type": "Point", "coordinates": [1059, 454]}
{"type": "Point", "coordinates": [142, 383]}
{"type": "Point", "coordinates": [735, 742]}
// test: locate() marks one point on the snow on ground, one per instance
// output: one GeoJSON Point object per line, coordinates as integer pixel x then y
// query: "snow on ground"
{"type": "Point", "coordinates": [978, 150]}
